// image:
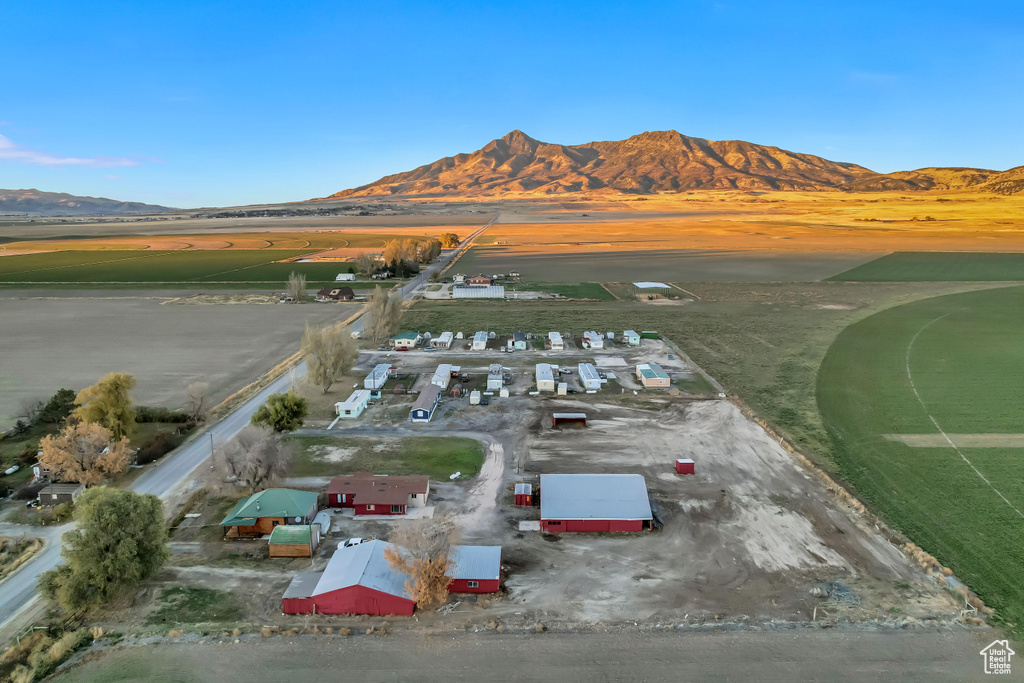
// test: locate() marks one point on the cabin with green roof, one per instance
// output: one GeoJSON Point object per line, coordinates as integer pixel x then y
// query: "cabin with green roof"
{"type": "Point", "coordinates": [258, 514]}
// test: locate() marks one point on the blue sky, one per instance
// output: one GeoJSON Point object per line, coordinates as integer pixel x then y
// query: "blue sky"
{"type": "Point", "coordinates": [221, 103]}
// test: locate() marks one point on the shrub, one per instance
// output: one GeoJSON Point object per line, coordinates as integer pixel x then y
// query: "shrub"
{"type": "Point", "coordinates": [29, 491]}
{"type": "Point", "coordinates": [151, 414]}
{"type": "Point", "coordinates": [27, 457]}
{"type": "Point", "coordinates": [160, 445]}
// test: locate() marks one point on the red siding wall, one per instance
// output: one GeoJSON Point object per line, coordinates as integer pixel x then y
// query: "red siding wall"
{"type": "Point", "coordinates": [334, 500]}
{"type": "Point", "coordinates": [486, 586]}
{"type": "Point", "coordinates": [585, 525]}
{"type": "Point", "coordinates": [297, 605]}
{"type": "Point", "coordinates": [378, 510]}
{"type": "Point", "coordinates": [362, 600]}
{"type": "Point", "coordinates": [523, 499]}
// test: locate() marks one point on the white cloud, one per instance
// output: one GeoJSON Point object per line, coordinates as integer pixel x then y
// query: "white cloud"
{"type": "Point", "coordinates": [10, 151]}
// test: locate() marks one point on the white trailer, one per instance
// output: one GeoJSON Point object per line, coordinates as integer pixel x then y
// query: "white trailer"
{"type": "Point", "coordinates": [545, 377]}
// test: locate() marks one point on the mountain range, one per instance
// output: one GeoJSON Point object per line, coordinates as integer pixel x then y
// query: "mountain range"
{"type": "Point", "coordinates": [659, 161]}
{"type": "Point", "coordinates": [38, 203]}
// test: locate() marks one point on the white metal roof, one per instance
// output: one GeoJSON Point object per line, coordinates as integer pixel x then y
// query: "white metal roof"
{"type": "Point", "coordinates": [650, 285]}
{"type": "Point", "coordinates": [442, 375]}
{"type": "Point", "coordinates": [480, 336]}
{"type": "Point", "coordinates": [445, 337]}
{"type": "Point", "coordinates": [303, 584]}
{"type": "Point", "coordinates": [544, 372]}
{"type": "Point", "coordinates": [362, 565]}
{"type": "Point", "coordinates": [359, 396]}
{"type": "Point", "coordinates": [588, 372]}
{"type": "Point", "coordinates": [594, 496]}
{"type": "Point", "coordinates": [480, 292]}
{"type": "Point", "coordinates": [555, 336]}
{"type": "Point", "coordinates": [476, 562]}
{"type": "Point", "coordinates": [630, 333]}
{"type": "Point", "coordinates": [380, 370]}
{"type": "Point", "coordinates": [524, 488]}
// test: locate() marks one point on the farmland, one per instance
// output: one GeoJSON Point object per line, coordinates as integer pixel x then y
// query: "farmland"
{"type": "Point", "coordinates": [961, 355]}
{"type": "Point", "coordinates": [937, 267]}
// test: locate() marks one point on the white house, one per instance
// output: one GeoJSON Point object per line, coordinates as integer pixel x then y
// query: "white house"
{"type": "Point", "coordinates": [480, 341]}
{"type": "Point", "coordinates": [589, 376]}
{"type": "Point", "coordinates": [545, 377]}
{"type": "Point", "coordinates": [593, 340]}
{"type": "Point", "coordinates": [632, 338]}
{"type": "Point", "coordinates": [354, 405]}
{"type": "Point", "coordinates": [378, 377]}
{"type": "Point", "coordinates": [442, 376]}
{"type": "Point", "coordinates": [494, 378]}
{"type": "Point", "coordinates": [345, 277]}
{"type": "Point", "coordinates": [442, 342]}
{"type": "Point", "coordinates": [556, 341]}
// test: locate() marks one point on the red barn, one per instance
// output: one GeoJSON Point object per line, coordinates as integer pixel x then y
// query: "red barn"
{"type": "Point", "coordinates": [685, 466]}
{"type": "Point", "coordinates": [524, 494]}
{"type": "Point", "coordinates": [477, 569]}
{"type": "Point", "coordinates": [594, 502]}
{"type": "Point", "coordinates": [378, 494]}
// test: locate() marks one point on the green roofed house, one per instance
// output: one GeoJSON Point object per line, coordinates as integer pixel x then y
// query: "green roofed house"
{"type": "Point", "coordinates": [651, 375]}
{"type": "Point", "coordinates": [294, 540]}
{"type": "Point", "coordinates": [258, 514]}
{"type": "Point", "coordinates": [405, 341]}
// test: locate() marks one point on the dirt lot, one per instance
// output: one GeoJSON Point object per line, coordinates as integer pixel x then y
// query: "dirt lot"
{"type": "Point", "coordinates": [50, 342]}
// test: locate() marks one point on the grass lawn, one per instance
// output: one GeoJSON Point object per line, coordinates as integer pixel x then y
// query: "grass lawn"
{"type": "Point", "coordinates": [180, 605]}
{"type": "Point", "coordinates": [965, 366]}
{"type": "Point", "coordinates": [570, 290]}
{"type": "Point", "coordinates": [912, 266]}
{"type": "Point", "coordinates": [435, 456]}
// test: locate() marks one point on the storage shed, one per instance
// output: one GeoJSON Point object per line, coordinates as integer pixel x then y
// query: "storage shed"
{"type": "Point", "coordinates": [555, 341]}
{"type": "Point", "coordinates": [442, 342]}
{"type": "Point", "coordinates": [475, 569]}
{"type": "Point", "coordinates": [562, 419]}
{"type": "Point", "coordinates": [57, 494]}
{"type": "Point", "coordinates": [524, 495]}
{"type": "Point", "coordinates": [378, 377]}
{"type": "Point", "coordinates": [293, 540]}
{"type": "Point", "coordinates": [354, 405]}
{"type": "Point", "coordinates": [545, 377]}
{"type": "Point", "coordinates": [651, 375]}
{"type": "Point", "coordinates": [423, 409]}
{"type": "Point", "coordinates": [632, 338]}
{"type": "Point", "coordinates": [593, 340]}
{"type": "Point", "coordinates": [480, 341]}
{"type": "Point", "coordinates": [594, 502]}
{"type": "Point", "coordinates": [589, 377]}
{"type": "Point", "coordinates": [442, 376]}
{"type": "Point", "coordinates": [494, 377]}
{"type": "Point", "coordinates": [685, 466]}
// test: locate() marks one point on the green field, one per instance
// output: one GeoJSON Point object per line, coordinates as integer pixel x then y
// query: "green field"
{"type": "Point", "coordinates": [159, 267]}
{"type": "Point", "coordinates": [914, 266]}
{"type": "Point", "coordinates": [575, 290]}
{"type": "Point", "coordinates": [965, 359]}
{"type": "Point", "coordinates": [436, 456]}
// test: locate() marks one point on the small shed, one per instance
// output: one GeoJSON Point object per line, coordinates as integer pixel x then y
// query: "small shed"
{"type": "Point", "coordinates": [56, 494]}
{"type": "Point", "coordinates": [562, 419]}
{"type": "Point", "coordinates": [480, 341]}
{"type": "Point", "coordinates": [555, 341]}
{"type": "Point", "coordinates": [293, 540]}
{"type": "Point", "coordinates": [475, 569]}
{"type": "Point", "coordinates": [519, 341]}
{"type": "Point", "coordinates": [345, 277]}
{"type": "Point", "coordinates": [524, 495]}
{"type": "Point", "coordinates": [545, 377]}
{"type": "Point", "coordinates": [563, 389]}
{"type": "Point", "coordinates": [354, 405]}
{"type": "Point", "coordinates": [474, 397]}
{"type": "Point", "coordinates": [632, 338]}
{"type": "Point", "coordinates": [423, 409]}
{"type": "Point", "coordinates": [649, 334]}
{"type": "Point", "coordinates": [589, 376]}
{"type": "Point", "coordinates": [685, 466]}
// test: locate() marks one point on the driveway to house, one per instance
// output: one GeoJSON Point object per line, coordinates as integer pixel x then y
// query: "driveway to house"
{"type": "Point", "coordinates": [18, 591]}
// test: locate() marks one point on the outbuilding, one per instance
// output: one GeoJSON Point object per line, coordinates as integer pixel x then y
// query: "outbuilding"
{"type": "Point", "coordinates": [354, 405]}
{"type": "Point", "coordinates": [685, 466]}
{"type": "Point", "coordinates": [475, 569]}
{"type": "Point", "coordinates": [442, 376]}
{"type": "Point", "coordinates": [593, 340]}
{"type": "Point", "coordinates": [495, 381]}
{"type": "Point", "coordinates": [378, 494]}
{"type": "Point", "coordinates": [480, 341]}
{"type": "Point", "coordinates": [555, 341]}
{"type": "Point", "coordinates": [442, 342]}
{"type": "Point", "coordinates": [545, 377]}
{"type": "Point", "coordinates": [423, 409]}
{"type": "Point", "coordinates": [519, 341]}
{"type": "Point", "coordinates": [524, 494]}
{"type": "Point", "coordinates": [378, 377]}
{"type": "Point", "coordinates": [57, 494]}
{"type": "Point", "coordinates": [589, 377]}
{"type": "Point", "coordinates": [651, 375]}
{"type": "Point", "coordinates": [563, 419]}
{"type": "Point", "coordinates": [345, 277]}
{"type": "Point", "coordinates": [632, 338]}
{"type": "Point", "coordinates": [594, 502]}
{"type": "Point", "coordinates": [294, 540]}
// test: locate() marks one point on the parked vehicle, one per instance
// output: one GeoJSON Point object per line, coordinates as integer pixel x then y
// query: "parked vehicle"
{"type": "Point", "coordinates": [355, 541]}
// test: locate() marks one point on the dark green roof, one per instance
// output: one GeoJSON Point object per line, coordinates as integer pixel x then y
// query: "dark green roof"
{"type": "Point", "coordinates": [291, 534]}
{"type": "Point", "coordinates": [271, 503]}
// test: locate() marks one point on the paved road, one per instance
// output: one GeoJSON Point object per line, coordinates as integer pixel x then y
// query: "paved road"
{"type": "Point", "coordinates": [18, 591]}
{"type": "Point", "coordinates": [447, 657]}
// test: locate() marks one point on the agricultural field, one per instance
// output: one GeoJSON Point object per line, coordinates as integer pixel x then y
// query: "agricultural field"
{"type": "Point", "coordinates": [435, 456]}
{"type": "Point", "coordinates": [937, 267]}
{"type": "Point", "coordinates": [923, 404]}
{"type": "Point", "coordinates": [569, 290]}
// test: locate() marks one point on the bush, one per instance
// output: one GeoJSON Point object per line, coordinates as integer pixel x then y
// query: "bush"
{"type": "Point", "coordinates": [28, 457]}
{"type": "Point", "coordinates": [160, 445]}
{"type": "Point", "coordinates": [150, 414]}
{"type": "Point", "coordinates": [29, 491]}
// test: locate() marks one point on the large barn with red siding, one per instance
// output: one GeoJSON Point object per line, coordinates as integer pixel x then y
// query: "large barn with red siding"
{"type": "Point", "coordinates": [359, 580]}
{"type": "Point", "coordinates": [594, 502]}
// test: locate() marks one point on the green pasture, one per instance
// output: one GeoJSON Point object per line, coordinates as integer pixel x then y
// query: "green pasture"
{"type": "Point", "coordinates": [435, 456]}
{"type": "Point", "coordinates": [913, 266]}
{"type": "Point", "coordinates": [965, 360]}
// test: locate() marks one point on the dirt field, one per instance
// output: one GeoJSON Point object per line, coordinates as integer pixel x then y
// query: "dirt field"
{"type": "Point", "coordinates": [49, 343]}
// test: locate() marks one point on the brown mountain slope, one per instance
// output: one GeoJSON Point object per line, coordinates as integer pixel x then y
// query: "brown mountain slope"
{"type": "Point", "coordinates": [657, 162]}
{"type": "Point", "coordinates": [38, 203]}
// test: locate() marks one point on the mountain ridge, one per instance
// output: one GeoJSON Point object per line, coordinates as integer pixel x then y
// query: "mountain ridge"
{"type": "Point", "coordinates": [659, 161]}
{"type": "Point", "coordinates": [39, 203]}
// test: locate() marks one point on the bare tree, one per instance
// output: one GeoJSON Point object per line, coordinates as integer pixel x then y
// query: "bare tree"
{"type": "Point", "coordinates": [429, 250]}
{"type": "Point", "coordinates": [196, 395]}
{"type": "Point", "coordinates": [422, 549]}
{"type": "Point", "coordinates": [376, 325]}
{"type": "Point", "coordinates": [257, 457]}
{"type": "Point", "coordinates": [366, 263]}
{"type": "Point", "coordinates": [297, 286]}
{"type": "Point", "coordinates": [29, 409]}
{"type": "Point", "coordinates": [84, 452]}
{"type": "Point", "coordinates": [329, 351]}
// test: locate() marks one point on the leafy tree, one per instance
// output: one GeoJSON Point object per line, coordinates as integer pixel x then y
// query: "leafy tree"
{"type": "Point", "coordinates": [297, 287]}
{"type": "Point", "coordinates": [329, 351]}
{"type": "Point", "coordinates": [59, 407]}
{"type": "Point", "coordinates": [282, 412]}
{"type": "Point", "coordinates": [108, 403]}
{"type": "Point", "coordinates": [120, 541]}
{"type": "Point", "coordinates": [84, 452]}
{"type": "Point", "coordinates": [449, 240]}
{"type": "Point", "coordinates": [256, 456]}
{"type": "Point", "coordinates": [422, 549]}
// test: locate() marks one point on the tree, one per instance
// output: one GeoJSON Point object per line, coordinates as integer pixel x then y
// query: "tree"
{"type": "Point", "coordinates": [108, 403]}
{"type": "Point", "coordinates": [29, 408]}
{"type": "Point", "coordinates": [297, 287]}
{"type": "Point", "coordinates": [59, 407]}
{"type": "Point", "coordinates": [282, 412]}
{"type": "Point", "coordinates": [120, 541]}
{"type": "Point", "coordinates": [329, 351]}
{"type": "Point", "coordinates": [256, 456]}
{"type": "Point", "coordinates": [84, 452]}
{"type": "Point", "coordinates": [196, 395]}
{"type": "Point", "coordinates": [422, 549]}
{"type": "Point", "coordinates": [403, 250]}
{"type": "Point", "coordinates": [449, 240]}
{"type": "Point", "coordinates": [429, 251]}
{"type": "Point", "coordinates": [383, 313]}
{"type": "Point", "coordinates": [366, 263]}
